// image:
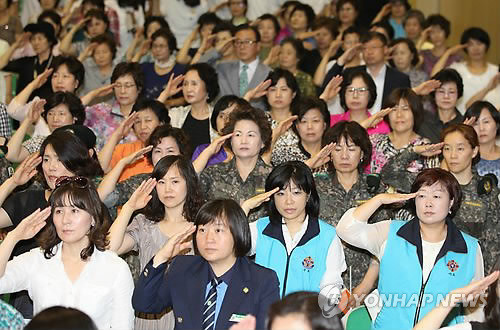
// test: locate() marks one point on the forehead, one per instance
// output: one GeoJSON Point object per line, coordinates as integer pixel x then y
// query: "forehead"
{"type": "Point", "coordinates": [192, 75]}
{"type": "Point", "coordinates": [60, 107]}
{"type": "Point", "coordinates": [245, 34]}
{"type": "Point", "coordinates": [127, 78]}
{"type": "Point", "coordinates": [449, 85]}
{"type": "Point", "coordinates": [358, 81]}
{"type": "Point", "coordinates": [173, 171]}
{"type": "Point", "coordinates": [437, 186]}
{"type": "Point", "coordinates": [167, 142]}
{"type": "Point", "coordinates": [281, 83]}
{"type": "Point", "coordinates": [102, 47]}
{"type": "Point", "coordinates": [160, 40]}
{"type": "Point", "coordinates": [246, 125]}
{"type": "Point", "coordinates": [313, 112]}
{"type": "Point", "coordinates": [455, 137]}
{"type": "Point", "coordinates": [143, 113]}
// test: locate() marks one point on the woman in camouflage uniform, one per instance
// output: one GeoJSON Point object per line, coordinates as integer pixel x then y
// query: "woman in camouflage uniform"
{"type": "Point", "coordinates": [479, 213]}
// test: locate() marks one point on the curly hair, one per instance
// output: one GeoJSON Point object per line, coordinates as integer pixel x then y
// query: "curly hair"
{"type": "Point", "coordinates": [85, 198]}
{"type": "Point", "coordinates": [247, 112]}
{"type": "Point", "coordinates": [164, 131]}
{"type": "Point", "coordinates": [155, 210]}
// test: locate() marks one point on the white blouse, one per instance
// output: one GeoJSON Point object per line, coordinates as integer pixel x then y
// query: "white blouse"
{"type": "Point", "coordinates": [103, 290]}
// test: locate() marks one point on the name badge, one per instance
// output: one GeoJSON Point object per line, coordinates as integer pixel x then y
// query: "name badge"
{"type": "Point", "coordinates": [236, 318]}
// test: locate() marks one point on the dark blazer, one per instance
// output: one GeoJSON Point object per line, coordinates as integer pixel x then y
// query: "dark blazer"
{"type": "Point", "coordinates": [393, 78]}
{"type": "Point", "coordinates": [252, 289]}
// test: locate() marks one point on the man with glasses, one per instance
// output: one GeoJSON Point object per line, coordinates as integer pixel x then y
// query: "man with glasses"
{"type": "Point", "coordinates": [374, 48]}
{"type": "Point", "coordinates": [237, 77]}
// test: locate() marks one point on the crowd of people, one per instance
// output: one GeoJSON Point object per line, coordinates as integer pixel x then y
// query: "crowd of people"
{"type": "Point", "coordinates": [263, 164]}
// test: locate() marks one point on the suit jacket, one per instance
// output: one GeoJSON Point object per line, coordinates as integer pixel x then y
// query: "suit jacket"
{"type": "Point", "coordinates": [229, 79]}
{"type": "Point", "coordinates": [252, 290]}
{"type": "Point", "coordinates": [393, 78]}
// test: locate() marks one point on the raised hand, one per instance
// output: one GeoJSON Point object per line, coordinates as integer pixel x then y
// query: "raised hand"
{"type": "Point", "coordinates": [257, 200]}
{"type": "Point", "coordinates": [217, 143]}
{"type": "Point", "coordinates": [27, 169]}
{"type": "Point", "coordinates": [142, 195]}
{"type": "Point", "coordinates": [455, 49]}
{"type": "Point", "coordinates": [322, 157]}
{"type": "Point", "coordinates": [258, 91]}
{"type": "Point", "coordinates": [470, 121]}
{"type": "Point", "coordinates": [177, 243]}
{"type": "Point", "coordinates": [222, 45]}
{"type": "Point", "coordinates": [104, 90]}
{"type": "Point", "coordinates": [22, 40]}
{"type": "Point", "coordinates": [126, 125]}
{"type": "Point", "coordinates": [36, 111]}
{"type": "Point", "coordinates": [31, 225]}
{"type": "Point", "coordinates": [349, 54]}
{"type": "Point", "coordinates": [394, 198]}
{"type": "Point", "coordinates": [283, 126]}
{"type": "Point", "coordinates": [273, 55]}
{"type": "Point", "coordinates": [139, 154]}
{"type": "Point", "coordinates": [429, 150]}
{"type": "Point", "coordinates": [173, 87]}
{"type": "Point", "coordinates": [375, 119]}
{"type": "Point", "coordinates": [42, 78]}
{"type": "Point", "coordinates": [332, 89]}
{"type": "Point", "coordinates": [145, 46]}
{"type": "Point", "coordinates": [427, 87]}
{"type": "Point", "coordinates": [471, 291]}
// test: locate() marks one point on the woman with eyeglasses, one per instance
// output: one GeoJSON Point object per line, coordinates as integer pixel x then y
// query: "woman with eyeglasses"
{"type": "Point", "coordinates": [72, 267]}
{"type": "Point", "coordinates": [358, 94]}
{"type": "Point", "coordinates": [479, 215]}
{"type": "Point", "coordinates": [69, 151]}
{"type": "Point", "coordinates": [168, 203]}
{"type": "Point", "coordinates": [127, 82]}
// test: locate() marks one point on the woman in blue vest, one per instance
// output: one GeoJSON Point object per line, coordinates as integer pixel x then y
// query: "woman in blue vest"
{"type": "Point", "coordinates": [421, 260]}
{"type": "Point", "coordinates": [303, 250]}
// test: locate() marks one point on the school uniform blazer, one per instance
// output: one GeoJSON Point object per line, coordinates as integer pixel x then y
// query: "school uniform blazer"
{"type": "Point", "coordinates": [252, 289]}
{"type": "Point", "coordinates": [393, 78]}
{"type": "Point", "coordinates": [229, 79]}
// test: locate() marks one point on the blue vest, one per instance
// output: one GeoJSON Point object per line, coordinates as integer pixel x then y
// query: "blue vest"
{"type": "Point", "coordinates": [305, 266]}
{"type": "Point", "coordinates": [401, 275]}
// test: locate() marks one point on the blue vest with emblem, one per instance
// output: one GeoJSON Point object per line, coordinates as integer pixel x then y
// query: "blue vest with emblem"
{"type": "Point", "coordinates": [401, 275]}
{"type": "Point", "coordinates": [306, 263]}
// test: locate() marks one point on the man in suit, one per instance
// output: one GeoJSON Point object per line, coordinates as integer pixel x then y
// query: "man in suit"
{"type": "Point", "coordinates": [216, 288]}
{"type": "Point", "coordinates": [237, 77]}
{"type": "Point", "coordinates": [374, 47]}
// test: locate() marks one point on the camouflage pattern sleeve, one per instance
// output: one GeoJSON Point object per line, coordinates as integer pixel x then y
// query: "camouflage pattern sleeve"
{"type": "Point", "coordinates": [394, 172]}
{"type": "Point", "coordinates": [490, 246]}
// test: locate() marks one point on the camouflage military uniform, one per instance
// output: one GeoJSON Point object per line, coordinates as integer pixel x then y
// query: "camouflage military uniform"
{"type": "Point", "coordinates": [334, 202]}
{"type": "Point", "coordinates": [5, 167]}
{"type": "Point", "coordinates": [122, 192]}
{"type": "Point", "coordinates": [478, 215]}
{"type": "Point", "coordinates": [224, 181]}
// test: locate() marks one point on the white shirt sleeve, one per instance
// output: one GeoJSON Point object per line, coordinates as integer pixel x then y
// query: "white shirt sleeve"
{"type": "Point", "coordinates": [253, 233]}
{"type": "Point", "coordinates": [370, 237]}
{"type": "Point", "coordinates": [335, 263]}
{"type": "Point", "coordinates": [122, 313]}
{"type": "Point", "coordinates": [18, 270]}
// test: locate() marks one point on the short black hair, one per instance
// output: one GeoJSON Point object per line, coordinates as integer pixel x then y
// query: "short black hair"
{"type": "Point", "coordinates": [164, 131]}
{"type": "Point", "coordinates": [300, 51]}
{"type": "Point", "coordinates": [224, 26]}
{"type": "Point", "coordinates": [450, 75]}
{"type": "Point", "coordinates": [155, 19]}
{"type": "Point", "coordinates": [415, 13]}
{"type": "Point", "coordinates": [440, 21]}
{"type": "Point", "coordinates": [341, 3]}
{"type": "Point", "coordinates": [74, 104]}
{"type": "Point", "coordinates": [247, 112]}
{"type": "Point", "coordinates": [308, 103]}
{"type": "Point", "coordinates": [168, 36]}
{"type": "Point", "coordinates": [72, 153]}
{"type": "Point", "coordinates": [307, 10]}
{"type": "Point", "coordinates": [477, 107]}
{"type": "Point", "coordinates": [75, 67]}
{"type": "Point", "coordinates": [388, 29]}
{"type": "Point", "coordinates": [222, 104]}
{"type": "Point", "coordinates": [290, 80]}
{"type": "Point", "coordinates": [368, 80]}
{"type": "Point", "coordinates": [229, 212]}
{"type": "Point", "coordinates": [475, 33]}
{"type": "Point", "coordinates": [245, 27]}
{"type": "Point", "coordinates": [61, 318]}
{"type": "Point", "coordinates": [155, 209]}
{"type": "Point", "coordinates": [301, 175]}
{"type": "Point", "coordinates": [209, 77]}
{"type": "Point", "coordinates": [414, 103]}
{"type": "Point", "coordinates": [208, 18]}
{"type": "Point", "coordinates": [411, 47]}
{"type": "Point", "coordinates": [133, 69]}
{"type": "Point", "coordinates": [372, 35]}
{"type": "Point", "coordinates": [273, 19]}
{"type": "Point", "coordinates": [350, 130]}
{"type": "Point", "coordinates": [97, 14]}
{"type": "Point", "coordinates": [51, 15]}
{"type": "Point", "coordinates": [352, 29]}
{"type": "Point", "coordinates": [107, 40]}
{"type": "Point", "coordinates": [328, 23]}
{"type": "Point", "coordinates": [157, 107]}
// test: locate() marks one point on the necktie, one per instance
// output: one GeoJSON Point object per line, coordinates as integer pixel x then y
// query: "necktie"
{"type": "Point", "coordinates": [209, 307]}
{"type": "Point", "coordinates": [243, 80]}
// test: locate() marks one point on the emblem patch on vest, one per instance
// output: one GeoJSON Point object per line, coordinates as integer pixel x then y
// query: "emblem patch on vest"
{"type": "Point", "coordinates": [308, 263]}
{"type": "Point", "coordinates": [452, 266]}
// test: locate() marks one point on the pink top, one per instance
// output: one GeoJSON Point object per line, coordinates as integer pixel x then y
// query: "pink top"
{"type": "Point", "coordinates": [381, 128]}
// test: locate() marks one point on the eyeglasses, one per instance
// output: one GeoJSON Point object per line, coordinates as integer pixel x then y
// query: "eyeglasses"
{"type": "Point", "coordinates": [79, 181]}
{"type": "Point", "coordinates": [360, 90]}
{"type": "Point", "coordinates": [126, 86]}
{"type": "Point", "coordinates": [238, 42]}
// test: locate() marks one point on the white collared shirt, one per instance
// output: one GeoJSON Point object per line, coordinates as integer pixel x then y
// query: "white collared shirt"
{"type": "Point", "coordinates": [335, 259]}
{"type": "Point", "coordinates": [379, 80]}
{"type": "Point", "coordinates": [252, 67]}
{"type": "Point", "coordinates": [103, 290]}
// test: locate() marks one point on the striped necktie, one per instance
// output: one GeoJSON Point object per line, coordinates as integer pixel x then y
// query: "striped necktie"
{"type": "Point", "coordinates": [209, 307]}
{"type": "Point", "coordinates": [243, 80]}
